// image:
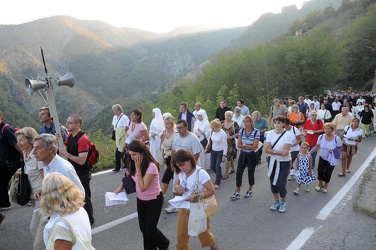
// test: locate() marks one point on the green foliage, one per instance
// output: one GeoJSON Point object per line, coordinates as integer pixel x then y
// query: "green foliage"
{"type": "Point", "coordinates": [106, 148]}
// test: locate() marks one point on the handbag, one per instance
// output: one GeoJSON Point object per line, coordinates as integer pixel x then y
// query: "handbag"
{"type": "Point", "coordinates": [197, 222]}
{"type": "Point", "coordinates": [23, 188]}
{"type": "Point", "coordinates": [210, 203]}
{"type": "Point", "coordinates": [209, 146]}
{"type": "Point", "coordinates": [204, 142]}
{"type": "Point", "coordinates": [371, 127]}
{"type": "Point", "coordinates": [77, 242]}
{"type": "Point", "coordinates": [129, 184]}
{"type": "Point", "coordinates": [12, 167]}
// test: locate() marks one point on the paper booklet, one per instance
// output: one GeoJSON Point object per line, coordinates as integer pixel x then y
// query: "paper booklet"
{"type": "Point", "coordinates": [113, 199]}
{"type": "Point", "coordinates": [180, 202]}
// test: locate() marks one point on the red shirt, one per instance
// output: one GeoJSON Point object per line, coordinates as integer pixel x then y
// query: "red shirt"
{"type": "Point", "coordinates": [311, 139]}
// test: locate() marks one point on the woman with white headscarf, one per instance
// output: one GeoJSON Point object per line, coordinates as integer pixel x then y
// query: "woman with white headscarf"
{"type": "Point", "coordinates": [201, 129]}
{"type": "Point", "coordinates": [156, 129]}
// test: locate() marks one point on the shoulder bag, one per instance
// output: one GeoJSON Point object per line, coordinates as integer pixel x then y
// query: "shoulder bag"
{"type": "Point", "coordinates": [268, 157]}
{"type": "Point", "coordinates": [129, 184]}
{"type": "Point", "coordinates": [113, 136]}
{"type": "Point", "coordinates": [77, 243]}
{"type": "Point", "coordinates": [23, 188]}
{"type": "Point", "coordinates": [209, 146]}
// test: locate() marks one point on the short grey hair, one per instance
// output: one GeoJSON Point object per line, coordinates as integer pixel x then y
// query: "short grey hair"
{"type": "Point", "coordinates": [48, 140]}
{"type": "Point", "coordinates": [229, 112]}
{"type": "Point", "coordinates": [256, 113]}
{"type": "Point", "coordinates": [117, 107]}
{"type": "Point", "coordinates": [237, 109]}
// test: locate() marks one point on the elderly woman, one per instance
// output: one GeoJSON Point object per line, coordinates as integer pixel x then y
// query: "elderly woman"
{"type": "Point", "coordinates": [313, 128]}
{"type": "Point", "coordinates": [328, 142]}
{"type": "Point", "coordinates": [277, 144]}
{"type": "Point", "coordinates": [194, 183]}
{"type": "Point", "coordinates": [352, 135]}
{"type": "Point", "coordinates": [34, 171]}
{"type": "Point", "coordinates": [310, 110]}
{"type": "Point", "coordinates": [202, 130]}
{"type": "Point", "coordinates": [155, 131]}
{"type": "Point", "coordinates": [120, 122]}
{"type": "Point", "coordinates": [366, 117]}
{"type": "Point", "coordinates": [144, 170]}
{"type": "Point", "coordinates": [323, 114]}
{"type": "Point", "coordinates": [63, 202]}
{"type": "Point", "coordinates": [248, 140]}
{"type": "Point", "coordinates": [231, 128]}
{"type": "Point", "coordinates": [296, 117]}
{"type": "Point", "coordinates": [238, 117]}
{"type": "Point", "coordinates": [219, 150]}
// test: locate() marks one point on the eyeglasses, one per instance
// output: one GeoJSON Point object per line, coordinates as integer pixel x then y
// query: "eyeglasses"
{"type": "Point", "coordinates": [178, 128]}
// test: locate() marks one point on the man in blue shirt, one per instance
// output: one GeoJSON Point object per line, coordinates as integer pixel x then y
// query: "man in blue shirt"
{"type": "Point", "coordinates": [262, 125]}
{"type": "Point", "coordinates": [48, 123]}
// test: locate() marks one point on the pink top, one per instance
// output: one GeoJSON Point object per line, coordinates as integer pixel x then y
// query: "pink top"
{"type": "Point", "coordinates": [154, 188]}
{"type": "Point", "coordinates": [136, 132]}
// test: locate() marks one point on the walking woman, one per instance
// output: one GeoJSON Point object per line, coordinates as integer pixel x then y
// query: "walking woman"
{"type": "Point", "coordinates": [219, 150]}
{"type": "Point", "coordinates": [277, 144]}
{"type": "Point", "coordinates": [166, 146]}
{"type": "Point", "coordinates": [248, 140]}
{"type": "Point", "coordinates": [231, 129]}
{"type": "Point", "coordinates": [328, 142]}
{"type": "Point", "coordinates": [34, 171]}
{"type": "Point", "coordinates": [202, 130]}
{"type": "Point", "coordinates": [144, 171]}
{"type": "Point", "coordinates": [366, 118]}
{"type": "Point", "coordinates": [352, 135]}
{"type": "Point", "coordinates": [195, 183]}
{"type": "Point", "coordinates": [155, 131]}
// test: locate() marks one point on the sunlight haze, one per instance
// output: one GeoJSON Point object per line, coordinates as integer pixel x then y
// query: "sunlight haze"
{"type": "Point", "coordinates": [155, 16]}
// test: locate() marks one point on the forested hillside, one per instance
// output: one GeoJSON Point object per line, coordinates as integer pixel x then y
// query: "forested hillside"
{"type": "Point", "coordinates": [336, 50]}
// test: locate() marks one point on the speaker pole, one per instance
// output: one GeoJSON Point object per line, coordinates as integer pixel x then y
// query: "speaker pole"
{"type": "Point", "coordinates": [52, 105]}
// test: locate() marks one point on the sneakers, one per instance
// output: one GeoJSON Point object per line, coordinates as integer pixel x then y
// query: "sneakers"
{"type": "Point", "coordinates": [171, 209]}
{"type": "Point", "coordinates": [5, 208]}
{"type": "Point", "coordinates": [318, 188]}
{"type": "Point", "coordinates": [235, 196]}
{"type": "Point", "coordinates": [248, 194]}
{"type": "Point", "coordinates": [282, 206]}
{"type": "Point", "coordinates": [29, 204]}
{"type": "Point", "coordinates": [291, 178]}
{"type": "Point", "coordinates": [296, 191]}
{"type": "Point", "coordinates": [275, 206]}
{"type": "Point", "coordinates": [307, 188]}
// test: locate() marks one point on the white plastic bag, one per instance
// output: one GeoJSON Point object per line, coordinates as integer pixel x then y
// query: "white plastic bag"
{"type": "Point", "coordinates": [197, 219]}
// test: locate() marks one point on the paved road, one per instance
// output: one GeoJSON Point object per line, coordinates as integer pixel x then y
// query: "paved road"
{"type": "Point", "coordinates": [242, 224]}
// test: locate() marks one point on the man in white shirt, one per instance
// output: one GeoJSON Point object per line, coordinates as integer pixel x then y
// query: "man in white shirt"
{"type": "Point", "coordinates": [121, 125]}
{"type": "Point", "coordinates": [45, 150]}
{"type": "Point", "coordinates": [307, 100]}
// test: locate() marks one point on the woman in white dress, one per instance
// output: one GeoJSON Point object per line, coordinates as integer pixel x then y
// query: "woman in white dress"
{"type": "Point", "coordinates": [63, 202]}
{"type": "Point", "coordinates": [202, 130]}
{"type": "Point", "coordinates": [156, 129]}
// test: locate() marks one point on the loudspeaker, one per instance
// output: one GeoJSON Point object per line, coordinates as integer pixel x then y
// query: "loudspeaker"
{"type": "Point", "coordinates": [34, 85]}
{"type": "Point", "coordinates": [66, 80]}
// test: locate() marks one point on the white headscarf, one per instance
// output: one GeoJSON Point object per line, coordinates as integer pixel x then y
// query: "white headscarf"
{"type": "Point", "coordinates": [166, 115]}
{"type": "Point", "coordinates": [157, 121]}
{"type": "Point", "coordinates": [203, 114]}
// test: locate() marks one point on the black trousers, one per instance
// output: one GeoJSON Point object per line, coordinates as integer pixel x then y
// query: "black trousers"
{"type": "Point", "coordinates": [148, 217]}
{"type": "Point", "coordinates": [118, 159]}
{"type": "Point", "coordinates": [85, 181]}
{"type": "Point", "coordinates": [5, 177]}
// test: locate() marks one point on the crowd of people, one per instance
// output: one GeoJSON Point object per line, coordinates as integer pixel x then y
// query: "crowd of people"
{"type": "Point", "coordinates": [188, 147]}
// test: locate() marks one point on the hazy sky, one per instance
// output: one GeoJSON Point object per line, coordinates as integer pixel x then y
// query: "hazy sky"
{"type": "Point", "coordinates": [153, 15]}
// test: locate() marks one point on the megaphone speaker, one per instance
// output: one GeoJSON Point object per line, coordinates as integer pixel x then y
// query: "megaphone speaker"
{"type": "Point", "coordinates": [66, 80]}
{"type": "Point", "coordinates": [34, 85]}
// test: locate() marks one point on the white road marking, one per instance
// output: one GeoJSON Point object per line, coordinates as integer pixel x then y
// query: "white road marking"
{"type": "Point", "coordinates": [301, 239]}
{"type": "Point", "coordinates": [113, 223]}
{"type": "Point", "coordinates": [325, 212]}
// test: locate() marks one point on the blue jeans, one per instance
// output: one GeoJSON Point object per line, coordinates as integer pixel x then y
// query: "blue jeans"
{"type": "Point", "coordinates": [215, 165]}
{"type": "Point", "coordinates": [313, 156]}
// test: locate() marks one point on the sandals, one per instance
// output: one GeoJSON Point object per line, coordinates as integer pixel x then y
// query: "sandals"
{"type": "Point", "coordinates": [324, 191]}
{"type": "Point", "coordinates": [318, 188]}
{"type": "Point", "coordinates": [348, 171]}
{"type": "Point", "coordinates": [341, 175]}
{"type": "Point", "coordinates": [232, 171]}
{"type": "Point", "coordinates": [225, 177]}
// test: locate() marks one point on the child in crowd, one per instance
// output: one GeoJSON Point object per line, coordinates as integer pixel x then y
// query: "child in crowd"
{"type": "Point", "coordinates": [304, 165]}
